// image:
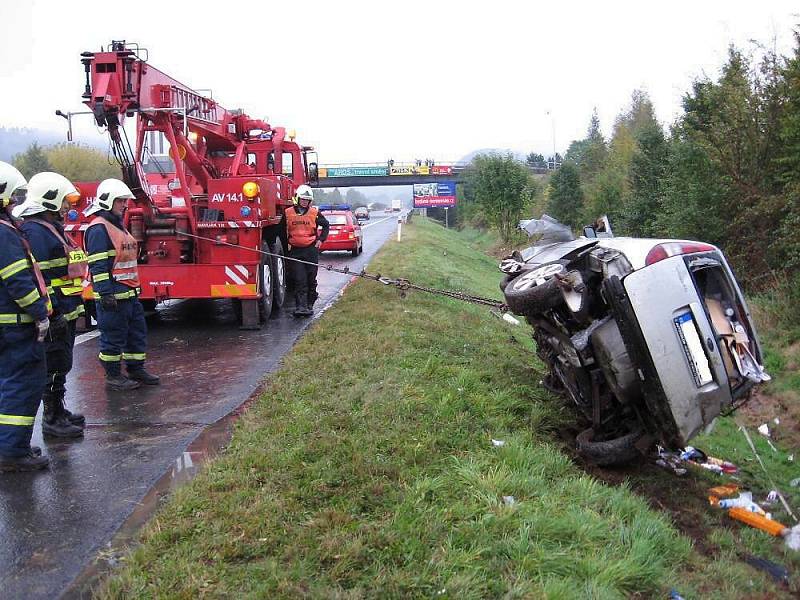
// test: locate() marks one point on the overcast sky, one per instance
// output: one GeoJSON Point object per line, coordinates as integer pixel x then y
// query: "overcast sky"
{"type": "Point", "coordinates": [365, 81]}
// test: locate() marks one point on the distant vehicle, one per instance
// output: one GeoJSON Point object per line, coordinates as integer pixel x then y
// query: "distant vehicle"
{"type": "Point", "coordinates": [650, 338]}
{"type": "Point", "coordinates": [361, 213]}
{"type": "Point", "coordinates": [345, 232]}
{"type": "Point", "coordinates": [397, 205]}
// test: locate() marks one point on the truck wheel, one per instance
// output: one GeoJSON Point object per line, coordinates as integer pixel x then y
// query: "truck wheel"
{"type": "Point", "coordinates": [536, 290]}
{"type": "Point", "coordinates": [279, 276]}
{"type": "Point", "coordinates": [265, 284]}
{"type": "Point", "coordinates": [615, 451]}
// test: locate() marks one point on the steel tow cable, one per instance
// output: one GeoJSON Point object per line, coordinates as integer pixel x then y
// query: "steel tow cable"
{"type": "Point", "coordinates": [402, 284]}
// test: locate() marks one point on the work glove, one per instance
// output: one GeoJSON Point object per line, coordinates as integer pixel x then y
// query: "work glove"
{"type": "Point", "coordinates": [57, 324]}
{"type": "Point", "coordinates": [108, 302]}
{"type": "Point", "coordinates": [41, 329]}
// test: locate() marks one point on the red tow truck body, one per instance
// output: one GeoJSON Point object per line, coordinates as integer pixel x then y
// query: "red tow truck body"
{"type": "Point", "coordinates": [204, 208]}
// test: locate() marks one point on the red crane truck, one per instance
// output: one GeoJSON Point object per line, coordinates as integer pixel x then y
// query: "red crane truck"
{"type": "Point", "coordinates": [226, 180]}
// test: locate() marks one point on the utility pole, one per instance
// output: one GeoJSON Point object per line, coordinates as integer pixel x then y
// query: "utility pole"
{"type": "Point", "coordinates": [553, 128]}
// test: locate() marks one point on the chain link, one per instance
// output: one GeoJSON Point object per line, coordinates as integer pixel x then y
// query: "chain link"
{"type": "Point", "coordinates": [401, 284]}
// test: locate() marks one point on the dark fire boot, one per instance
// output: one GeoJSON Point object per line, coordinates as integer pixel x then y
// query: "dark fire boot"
{"type": "Point", "coordinates": [142, 376]}
{"type": "Point", "coordinates": [29, 462]}
{"type": "Point", "coordinates": [300, 309]}
{"type": "Point", "coordinates": [54, 421]}
{"type": "Point", "coordinates": [121, 383]}
{"type": "Point", "coordinates": [75, 418]}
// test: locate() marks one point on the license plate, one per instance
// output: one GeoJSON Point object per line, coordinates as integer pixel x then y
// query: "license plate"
{"type": "Point", "coordinates": [693, 348]}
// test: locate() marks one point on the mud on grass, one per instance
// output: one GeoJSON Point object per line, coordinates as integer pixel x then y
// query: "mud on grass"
{"type": "Point", "coordinates": [366, 470]}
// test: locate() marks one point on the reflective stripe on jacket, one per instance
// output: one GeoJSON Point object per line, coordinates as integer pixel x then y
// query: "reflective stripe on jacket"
{"type": "Point", "coordinates": [24, 297]}
{"type": "Point", "coordinates": [124, 269]}
{"type": "Point", "coordinates": [74, 260]}
{"type": "Point", "coordinates": [301, 229]}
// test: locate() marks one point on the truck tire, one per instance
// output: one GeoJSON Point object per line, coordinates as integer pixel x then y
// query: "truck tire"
{"type": "Point", "coordinates": [266, 287]}
{"type": "Point", "coordinates": [616, 451]}
{"type": "Point", "coordinates": [279, 276]}
{"type": "Point", "coordinates": [536, 290]}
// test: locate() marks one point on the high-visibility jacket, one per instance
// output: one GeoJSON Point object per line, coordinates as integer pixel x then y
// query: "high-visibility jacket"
{"type": "Point", "coordinates": [23, 293]}
{"type": "Point", "coordinates": [112, 259]}
{"type": "Point", "coordinates": [62, 262]}
{"type": "Point", "coordinates": [301, 229]}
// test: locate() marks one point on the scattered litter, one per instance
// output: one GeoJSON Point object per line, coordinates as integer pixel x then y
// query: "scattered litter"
{"type": "Point", "coordinates": [724, 491]}
{"type": "Point", "coordinates": [776, 571]}
{"type": "Point", "coordinates": [792, 537]}
{"type": "Point", "coordinates": [772, 497]}
{"type": "Point", "coordinates": [671, 466]}
{"type": "Point", "coordinates": [763, 429]}
{"type": "Point", "coordinates": [509, 500]}
{"type": "Point", "coordinates": [509, 319]}
{"type": "Point", "coordinates": [795, 482]}
{"type": "Point", "coordinates": [745, 501]}
{"type": "Point", "coordinates": [670, 461]}
{"type": "Point", "coordinates": [692, 453]}
{"type": "Point", "coordinates": [674, 595]}
{"type": "Point", "coordinates": [764, 468]}
{"type": "Point", "coordinates": [776, 420]}
{"type": "Point", "coordinates": [759, 521]}
{"type": "Point", "coordinates": [498, 443]}
{"type": "Point", "coordinates": [790, 458]}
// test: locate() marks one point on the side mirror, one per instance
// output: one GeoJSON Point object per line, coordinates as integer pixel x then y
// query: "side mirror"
{"type": "Point", "coordinates": [313, 172]}
{"type": "Point", "coordinates": [589, 232]}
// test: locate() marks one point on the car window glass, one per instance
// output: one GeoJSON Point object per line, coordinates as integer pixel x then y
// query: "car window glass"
{"type": "Point", "coordinates": [336, 219]}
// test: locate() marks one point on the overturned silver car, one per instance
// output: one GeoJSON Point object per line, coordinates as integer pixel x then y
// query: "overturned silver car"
{"type": "Point", "coordinates": [651, 338]}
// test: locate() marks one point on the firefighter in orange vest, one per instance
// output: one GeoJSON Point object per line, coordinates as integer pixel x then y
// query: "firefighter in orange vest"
{"type": "Point", "coordinates": [302, 224]}
{"type": "Point", "coordinates": [24, 311]}
{"type": "Point", "coordinates": [112, 255]}
{"type": "Point", "coordinates": [63, 266]}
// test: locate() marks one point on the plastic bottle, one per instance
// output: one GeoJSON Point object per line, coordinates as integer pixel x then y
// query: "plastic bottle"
{"type": "Point", "coordinates": [744, 501]}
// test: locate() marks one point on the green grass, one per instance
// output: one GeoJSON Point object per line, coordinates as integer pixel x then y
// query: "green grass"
{"type": "Point", "coordinates": [366, 469]}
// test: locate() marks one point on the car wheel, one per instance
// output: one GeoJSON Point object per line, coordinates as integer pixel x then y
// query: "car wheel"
{"type": "Point", "coordinates": [535, 291]}
{"type": "Point", "coordinates": [615, 451]}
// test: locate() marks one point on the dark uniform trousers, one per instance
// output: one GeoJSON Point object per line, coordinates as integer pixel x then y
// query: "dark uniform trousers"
{"type": "Point", "coordinates": [304, 276]}
{"type": "Point", "coordinates": [23, 374]}
{"type": "Point", "coordinates": [123, 336]}
{"type": "Point", "coordinates": [58, 350]}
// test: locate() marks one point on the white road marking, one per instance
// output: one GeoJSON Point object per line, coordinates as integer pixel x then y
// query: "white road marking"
{"type": "Point", "coordinates": [376, 222]}
{"type": "Point", "coordinates": [85, 337]}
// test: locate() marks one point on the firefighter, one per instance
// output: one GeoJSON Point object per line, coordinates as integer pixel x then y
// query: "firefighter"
{"type": "Point", "coordinates": [24, 311]}
{"type": "Point", "coordinates": [112, 255]}
{"type": "Point", "coordinates": [302, 223]}
{"type": "Point", "coordinates": [63, 266]}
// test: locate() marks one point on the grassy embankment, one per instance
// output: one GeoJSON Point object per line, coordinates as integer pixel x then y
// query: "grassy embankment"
{"type": "Point", "coordinates": [366, 469]}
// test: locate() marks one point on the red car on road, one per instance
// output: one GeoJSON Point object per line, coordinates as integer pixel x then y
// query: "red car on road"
{"type": "Point", "coordinates": [345, 232]}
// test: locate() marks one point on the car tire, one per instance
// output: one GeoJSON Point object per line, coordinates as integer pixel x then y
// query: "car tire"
{"type": "Point", "coordinates": [615, 451]}
{"type": "Point", "coordinates": [506, 280]}
{"type": "Point", "coordinates": [278, 276]}
{"type": "Point", "coordinates": [354, 251]}
{"type": "Point", "coordinates": [527, 294]}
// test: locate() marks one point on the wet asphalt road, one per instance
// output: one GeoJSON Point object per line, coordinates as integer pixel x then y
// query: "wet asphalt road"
{"type": "Point", "coordinates": [53, 523]}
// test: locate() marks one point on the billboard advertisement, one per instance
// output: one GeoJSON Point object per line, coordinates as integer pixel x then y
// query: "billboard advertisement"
{"type": "Point", "coordinates": [356, 171]}
{"type": "Point", "coordinates": [435, 195]}
{"type": "Point", "coordinates": [400, 170]}
{"type": "Point", "coordinates": [441, 170]}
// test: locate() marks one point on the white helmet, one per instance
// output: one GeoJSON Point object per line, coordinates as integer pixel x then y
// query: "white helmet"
{"type": "Point", "coordinates": [304, 192]}
{"type": "Point", "coordinates": [108, 191]}
{"type": "Point", "coordinates": [46, 191]}
{"type": "Point", "coordinates": [10, 181]}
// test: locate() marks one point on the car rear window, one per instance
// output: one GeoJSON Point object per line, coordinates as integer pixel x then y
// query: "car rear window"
{"type": "Point", "coordinates": [337, 219]}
